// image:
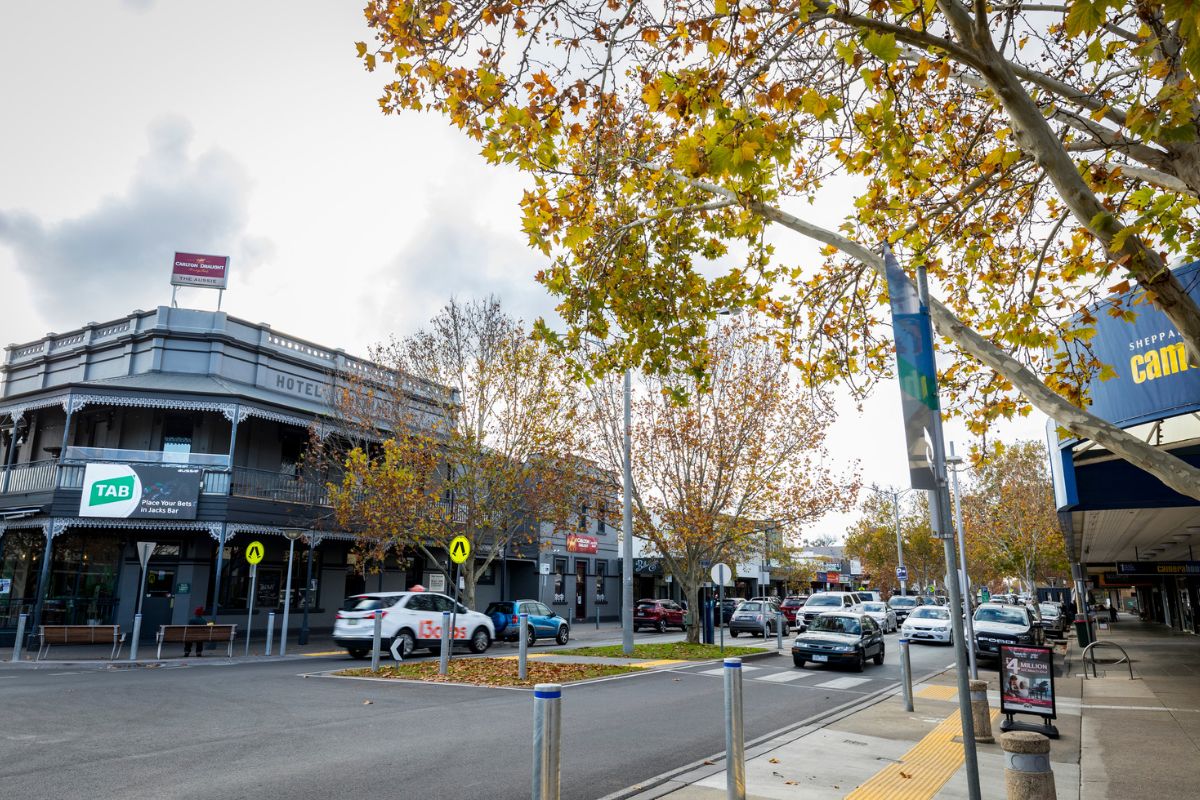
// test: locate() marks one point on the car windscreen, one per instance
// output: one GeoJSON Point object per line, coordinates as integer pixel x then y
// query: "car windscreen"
{"type": "Point", "coordinates": [1050, 609]}
{"type": "Point", "coordinates": [793, 602]}
{"type": "Point", "coordinates": [751, 606]}
{"type": "Point", "coordinates": [878, 608]}
{"type": "Point", "coordinates": [1005, 616]}
{"type": "Point", "coordinates": [837, 625]}
{"type": "Point", "coordinates": [824, 601]}
{"type": "Point", "coordinates": [902, 602]}
{"type": "Point", "coordinates": [368, 603]}
{"type": "Point", "coordinates": [930, 613]}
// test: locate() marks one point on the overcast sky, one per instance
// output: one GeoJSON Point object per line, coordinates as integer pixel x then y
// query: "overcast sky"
{"type": "Point", "coordinates": [134, 128]}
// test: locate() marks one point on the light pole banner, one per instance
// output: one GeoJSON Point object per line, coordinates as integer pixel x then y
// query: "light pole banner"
{"type": "Point", "coordinates": [916, 370]}
{"type": "Point", "coordinates": [139, 491]}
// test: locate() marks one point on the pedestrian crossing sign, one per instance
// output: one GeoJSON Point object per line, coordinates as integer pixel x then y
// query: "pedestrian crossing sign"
{"type": "Point", "coordinates": [460, 549]}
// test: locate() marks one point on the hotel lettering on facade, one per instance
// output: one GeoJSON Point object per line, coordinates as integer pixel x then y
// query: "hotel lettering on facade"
{"type": "Point", "coordinates": [187, 428]}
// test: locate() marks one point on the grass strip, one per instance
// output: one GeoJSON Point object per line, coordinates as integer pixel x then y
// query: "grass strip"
{"type": "Point", "coordinates": [491, 672]}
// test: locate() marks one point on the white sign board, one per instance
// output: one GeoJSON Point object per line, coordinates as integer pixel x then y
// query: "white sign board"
{"type": "Point", "coordinates": [544, 568]}
{"type": "Point", "coordinates": [5, 585]}
{"type": "Point", "coordinates": [722, 575]}
{"type": "Point", "coordinates": [436, 582]}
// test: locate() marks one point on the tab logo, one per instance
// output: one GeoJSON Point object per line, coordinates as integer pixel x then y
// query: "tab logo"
{"type": "Point", "coordinates": [114, 490]}
{"type": "Point", "coordinates": [110, 490]}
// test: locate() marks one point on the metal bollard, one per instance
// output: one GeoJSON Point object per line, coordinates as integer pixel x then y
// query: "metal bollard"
{"type": "Point", "coordinates": [980, 712]}
{"type": "Point", "coordinates": [547, 726]}
{"type": "Point", "coordinates": [735, 742]}
{"type": "Point", "coordinates": [376, 641]}
{"type": "Point", "coordinates": [1027, 772]}
{"type": "Point", "coordinates": [906, 675]}
{"type": "Point", "coordinates": [137, 635]}
{"type": "Point", "coordinates": [597, 617]}
{"type": "Point", "coordinates": [780, 621]}
{"type": "Point", "coordinates": [270, 632]}
{"type": "Point", "coordinates": [444, 662]}
{"type": "Point", "coordinates": [523, 647]}
{"type": "Point", "coordinates": [16, 654]}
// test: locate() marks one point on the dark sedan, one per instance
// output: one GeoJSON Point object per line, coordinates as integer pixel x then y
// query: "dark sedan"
{"type": "Point", "coordinates": [840, 637]}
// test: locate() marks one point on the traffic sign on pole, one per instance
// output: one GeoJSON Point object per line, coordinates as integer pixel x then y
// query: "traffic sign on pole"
{"type": "Point", "coordinates": [460, 549]}
{"type": "Point", "coordinates": [901, 573]}
{"type": "Point", "coordinates": [722, 575]}
{"type": "Point", "coordinates": [254, 553]}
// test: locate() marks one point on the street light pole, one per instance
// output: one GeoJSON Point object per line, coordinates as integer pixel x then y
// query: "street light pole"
{"type": "Point", "coordinates": [627, 524]}
{"type": "Point", "coordinates": [302, 639]}
{"type": "Point", "coordinates": [899, 545]}
{"type": "Point", "coordinates": [968, 619]}
{"type": "Point", "coordinates": [292, 535]}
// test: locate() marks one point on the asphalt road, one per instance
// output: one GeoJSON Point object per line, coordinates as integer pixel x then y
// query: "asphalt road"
{"type": "Point", "coordinates": [261, 730]}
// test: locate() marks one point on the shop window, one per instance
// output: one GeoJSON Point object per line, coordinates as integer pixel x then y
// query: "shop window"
{"type": "Point", "coordinates": [560, 581]}
{"type": "Point", "coordinates": [19, 569]}
{"type": "Point", "coordinates": [583, 517]}
{"type": "Point", "coordinates": [601, 517]}
{"type": "Point", "coordinates": [272, 579]}
{"type": "Point", "coordinates": [601, 575]}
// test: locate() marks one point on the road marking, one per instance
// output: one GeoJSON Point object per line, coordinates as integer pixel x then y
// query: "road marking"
{"type": "Point", "coordinates": [721, 670]}
{"type": "Point", "coordinates": [923, 770]}
{"type": "Point", "coordinates": [783, 677]}
{"type": "Point", "coordinates": [326, 653]}
{"type": "Point", "coordinates": [662, 662]}
{"type": "Point", "coordinates": [934, 692]}
{"type": "Point", "coordinates": [843, 683]}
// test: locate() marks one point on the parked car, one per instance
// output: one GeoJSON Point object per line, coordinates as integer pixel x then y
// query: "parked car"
{"type": "Point", "coordinates": [868, 597]}
{"type": "Point", "coordinates": [791, 607]}
{"type": "Point", "coordinates": [412, 618]}
{"type": "Point", "coordinates": [749, 618]}
{"type": "Point", "coordinates": [658, 614]}
{"type": "Point", "coordinates": [997, 624]}
{"type": "Point", "coordinates": [884, 617]}
{"type": "Point", "coordinates": [544, 623]}
{"type": "Point", "coordinates": [928, 624]}
{"type": "Point", "coordinates": [902, 604]}
{"type": "Point", "coordinates": [728, 606]}
{"type": "Point", "coordinates": [840, 637]}
{"type": "Point", "coordinates": [819, 603]}
{"type": "Point", "coordinates": [1054, 619]}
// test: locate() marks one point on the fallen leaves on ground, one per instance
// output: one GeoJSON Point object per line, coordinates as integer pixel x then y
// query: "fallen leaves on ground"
{"type": "Point", "coordinates": [491, 672]}
{"type": "Point", "coordinates": [773, 760]}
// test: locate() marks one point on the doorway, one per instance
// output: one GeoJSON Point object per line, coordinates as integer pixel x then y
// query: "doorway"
{"type": "Point", "coordinates": [580, 589]}
{"type": "Point", "coordinates": [158, 606]}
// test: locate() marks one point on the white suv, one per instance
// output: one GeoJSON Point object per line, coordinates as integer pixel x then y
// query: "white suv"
{"type": "Point", "coordinates": [412, 618]}
{"type": "Point", "coordinates": [819, 603]}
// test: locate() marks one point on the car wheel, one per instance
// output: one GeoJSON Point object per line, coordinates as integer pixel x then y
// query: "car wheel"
{"type": "Point", "coordinates": [408, 643]}
{"type": "Point", "coordinates": [733, 633]}
{"type": "Point", "coordinates": [481, 641]}
{"type": "Point", "coordinates": [564, 634]}
{"type": "Point", "coordinates": [860, 663]}
{"type": "Point", "coordinates": [879, 658]}
{"type": "Point", "coordinates": [798, 661]}
{"type": "Point", "coordinates": [358, 653]}
{"type": "Point", "coordinates": [661, 627]}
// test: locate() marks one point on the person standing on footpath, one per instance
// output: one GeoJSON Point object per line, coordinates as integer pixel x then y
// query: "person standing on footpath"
{"type": "Point", "coordinates": [196, 619]}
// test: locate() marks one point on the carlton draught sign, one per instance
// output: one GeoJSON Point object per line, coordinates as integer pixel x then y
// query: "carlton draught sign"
{"type": "Point", "coordinates": [196, 269]}
{"type": "Point", "coordinates": [126, 491]}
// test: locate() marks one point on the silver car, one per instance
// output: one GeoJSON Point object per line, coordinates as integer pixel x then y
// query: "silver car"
{"type": "Point", "coordinates": [878, 610]}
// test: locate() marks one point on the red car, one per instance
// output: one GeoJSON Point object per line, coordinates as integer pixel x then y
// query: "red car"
{"type": "Point", "coordinates": [658, 614]}
{"type": "Point", "coordinates": [790, 606]}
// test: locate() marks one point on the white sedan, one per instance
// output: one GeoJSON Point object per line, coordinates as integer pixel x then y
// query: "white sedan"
{"type": "Point", "coordinates": [878, 611]}
{"type": "Point", "coordinates": [928, 624]}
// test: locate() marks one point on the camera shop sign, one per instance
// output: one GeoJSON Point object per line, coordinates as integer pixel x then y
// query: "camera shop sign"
{"type": "Point", "coordinates": [139, 491]}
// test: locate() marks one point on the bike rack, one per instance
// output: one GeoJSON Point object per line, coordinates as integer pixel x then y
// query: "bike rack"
{"type": "Point", "coordinates": [1125, 659]}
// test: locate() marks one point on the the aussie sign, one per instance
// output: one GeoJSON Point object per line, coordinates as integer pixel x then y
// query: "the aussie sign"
{"type": "Point", "coordinates": [139, 491]}
{"type": "Point", "coordinates": [196, 269]}
{"type": "Point", "coordinates": [1154, 378]}
{"type": "Point", "coordinates": [1027, 681]}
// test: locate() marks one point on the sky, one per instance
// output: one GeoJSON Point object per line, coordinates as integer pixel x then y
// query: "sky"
{"type": "Point", "coordinates": [135, 128]}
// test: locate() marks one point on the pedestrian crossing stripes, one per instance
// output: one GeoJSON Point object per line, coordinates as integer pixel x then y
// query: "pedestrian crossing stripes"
{"type": "Point", "coordinates": [843, 683]}
{"type": "Point", "coordinates": [721, 670]}
{"type": "Point", "coordinates": [784, 677]}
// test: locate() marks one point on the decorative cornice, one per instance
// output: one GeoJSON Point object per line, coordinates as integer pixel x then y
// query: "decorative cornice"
{"type": "Point", "coordinates": [78, 401]}
{"type": "Point", "coordinates": [18, 410]}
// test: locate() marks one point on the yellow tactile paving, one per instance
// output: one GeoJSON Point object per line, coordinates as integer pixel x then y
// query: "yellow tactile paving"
{"type": "Point", "coordinates": [923, 770]}
{"type": "Point", "coordinates": [326, 653]}
{"type": "Point", "coordinates": [938, 693]}
{"type": "Point", "coordinates": [527, 655]}
{"type": "Point", "coordinates": [662, 662]}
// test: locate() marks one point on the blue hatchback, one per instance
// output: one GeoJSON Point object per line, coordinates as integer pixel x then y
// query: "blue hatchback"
{"type": "Point", "coordinates": [543, 622]}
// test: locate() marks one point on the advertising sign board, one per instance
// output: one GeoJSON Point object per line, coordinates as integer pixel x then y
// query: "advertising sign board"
{"type": "Point", "coordinates": [139, 491]}
{"type": "Point", "coordinates": [833, 577]}
{"type": "Point", "coordinates": [196, 269]}
{"type": "Point", "coordinates": [1027, 686]}
{"type": "Point", "coordinates": [578, 543]}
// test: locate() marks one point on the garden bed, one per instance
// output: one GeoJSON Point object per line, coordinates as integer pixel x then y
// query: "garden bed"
{"type": "Point", "coordinates": [492, 672]}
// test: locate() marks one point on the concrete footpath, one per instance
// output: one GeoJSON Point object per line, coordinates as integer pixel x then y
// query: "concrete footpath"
{"type": "Point", "coordinates": [1118, 738]}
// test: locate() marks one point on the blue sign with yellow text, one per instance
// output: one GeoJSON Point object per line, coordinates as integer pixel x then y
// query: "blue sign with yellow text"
{"type": "Point", "coordinates": [1154, 378]}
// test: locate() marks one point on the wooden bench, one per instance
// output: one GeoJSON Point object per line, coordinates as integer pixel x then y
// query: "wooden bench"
{"type": "Point", "coordinates": [80, 634]}
{"type": "Point", "coordinates": [192, 634]}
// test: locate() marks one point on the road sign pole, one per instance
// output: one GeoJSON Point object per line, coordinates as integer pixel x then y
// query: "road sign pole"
{"type": "Point", "coordinates": [145, 550]}
{"type": "Point", "coordinates": [250, 603]}
{"type": "Point", "coordinates": [287, 594]}
{"type": "Point", "coordinates": [444, 660]}
{"type": "Point", "coordinates": [721, 615]}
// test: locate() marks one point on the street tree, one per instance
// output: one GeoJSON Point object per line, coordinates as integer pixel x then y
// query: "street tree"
{"type": "Point", "coordinates": [470, 429]}
{"type": "Point", "coordinates": [872, 540]}
{"type": "Point", "coordinates": [1010, 519]}
{"type": "Point", "coordinates": [1037, 159]}
{"type": "Point", "coordinates": [718, 478]}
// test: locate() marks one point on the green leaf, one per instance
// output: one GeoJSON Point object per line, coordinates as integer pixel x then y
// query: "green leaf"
{"type": "Point", "coordinates": [882, 45]}
{"type": "Point", "coordinates": [1085, 16]}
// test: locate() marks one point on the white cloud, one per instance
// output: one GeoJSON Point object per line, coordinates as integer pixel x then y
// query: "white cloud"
{"type": "Point", "coordinates": [117, 254]}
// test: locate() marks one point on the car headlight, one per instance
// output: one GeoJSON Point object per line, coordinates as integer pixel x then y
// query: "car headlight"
{"type": "Point", "coordinates": [842, 648]}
